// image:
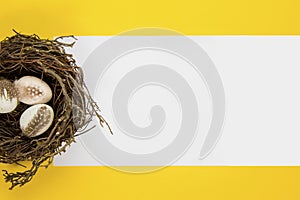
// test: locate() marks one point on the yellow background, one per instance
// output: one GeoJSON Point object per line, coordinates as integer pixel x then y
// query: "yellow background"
{"type": "Point", "coordinates": [52, 18]}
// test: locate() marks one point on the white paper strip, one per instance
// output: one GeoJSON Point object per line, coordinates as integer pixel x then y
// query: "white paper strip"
{"type": "Point", "coordinates": [261, 80]}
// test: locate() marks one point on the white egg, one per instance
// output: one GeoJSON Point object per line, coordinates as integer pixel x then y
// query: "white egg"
{"type": "Point", "coordinates": [36, 119]}
{"type": "Point", "coordinates": [32, 90]}
{"type": "Point", "coordinates": [8, 96]}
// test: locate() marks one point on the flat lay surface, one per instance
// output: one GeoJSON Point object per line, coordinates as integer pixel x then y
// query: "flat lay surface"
{"type": "Point", "coordinates": [54, 18]}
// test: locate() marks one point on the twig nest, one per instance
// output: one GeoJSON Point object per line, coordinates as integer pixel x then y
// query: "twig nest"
{"type": "Point", "coordinates": [36, 119]}
{"type": "Point", "coordinates": [8, 96]}
{"type": "Point", "coordinates": [53, 110]}
{"type": "Point", "coordinates": [32, 90]}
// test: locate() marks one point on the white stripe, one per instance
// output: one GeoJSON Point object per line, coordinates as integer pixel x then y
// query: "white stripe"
{"type": "Point", "coordinates": [261, 77]}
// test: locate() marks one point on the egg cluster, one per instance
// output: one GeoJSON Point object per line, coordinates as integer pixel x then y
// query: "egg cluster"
{"type": "Point", "coordinates": [33, 91]}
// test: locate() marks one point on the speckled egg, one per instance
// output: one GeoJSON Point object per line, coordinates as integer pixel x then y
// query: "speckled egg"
{"type": "Point", "coordinates": [36, 119]}
{"type": "Point", "coordinates": [32, 90]}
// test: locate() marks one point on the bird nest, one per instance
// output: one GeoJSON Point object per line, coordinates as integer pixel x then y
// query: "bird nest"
{"type": "Point", "coordinates": [28, 55]}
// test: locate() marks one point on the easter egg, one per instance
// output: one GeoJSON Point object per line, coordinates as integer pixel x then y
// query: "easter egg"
{"type": "Point", "coordinates": [8, 96]}
{"type": "Point", "coordinates": [36, 119]}
{"type": "Point", "coordinates": [32, 90]}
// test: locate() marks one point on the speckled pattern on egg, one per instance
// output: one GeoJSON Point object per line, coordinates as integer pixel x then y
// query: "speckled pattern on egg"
{"type": "Point", "coordinates": [32, 90]}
